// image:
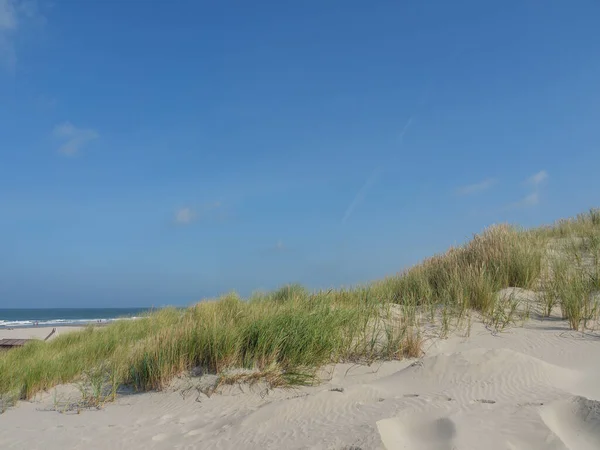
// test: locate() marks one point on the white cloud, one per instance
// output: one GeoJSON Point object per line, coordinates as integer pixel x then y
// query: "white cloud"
{"type": "Point", "coordinates": [184, 216]}
{"type": "Point", "coordinates": [530, 200]}
{"type": "Point", "coordinates": [13, 15]}
{"type": "Point", "coordinates": [8, 27]}
{"type": "Point", "coordinates": [74, 139]}
{"type": "Point", "coordinates": [526, 202]}
{"type": "Point", "coordinates": [538, 178]}
{"type": "Point", "coordinates": [279, 246]}
{"type": "Point", "coordinates": [477, 187]}
{"type": "Point", "coordinates": [8, 15]}
{"type": "Point", "coordinates": [210, 211]}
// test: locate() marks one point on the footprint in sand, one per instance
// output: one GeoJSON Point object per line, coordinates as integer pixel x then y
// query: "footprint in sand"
{"type": "Point", "coordinates": [160, 437]}
{"type": "Point", "coordinates": [166, 418]}
{"type": "Point", "coordinates": [185, 420]}
{"type": "Point", "coordinates": [194, 432]}
{"type": "Point", "coordinates": [437, 434]}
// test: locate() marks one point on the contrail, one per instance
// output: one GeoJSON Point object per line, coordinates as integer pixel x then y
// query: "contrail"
{"type": "Point", "coordinates": [359, 197]}
{"type": "Point", "coordinates": [361, 194]}
{"type": "Point", "coordinates": [430, 83]}
{"type": "Point", "coordinates": [403, 132]}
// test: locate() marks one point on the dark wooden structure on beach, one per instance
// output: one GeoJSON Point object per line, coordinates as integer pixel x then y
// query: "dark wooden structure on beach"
{"type": "Point", "coordinates": [7, 344]}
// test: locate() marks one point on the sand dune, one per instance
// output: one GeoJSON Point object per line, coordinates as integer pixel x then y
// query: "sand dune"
{"type": "Point", "coordinates": [576, 421]}
{"type": "Point", "coordinates": [531, 387]}
{"type": "Point", "coordinates": [474, 396]}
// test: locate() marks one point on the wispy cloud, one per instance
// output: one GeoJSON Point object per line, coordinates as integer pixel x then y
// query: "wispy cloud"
{"type": "Point", "coordinates": [13, 15]}
{"type": "Point", "coordinates": [476, 187]}
{"type": "Point", "coordinates": [8, 15]}
{"type": "Point", "coordinates": [45, 102]}
{"type": "Point", "coordinates": [74, 139]}
{"type": "Point", "coordinates": [8, 28]}
{"type": "Point", "coordinates": [184, 216]}
{"type": "Point", "coordinates": [188, 214]}
{"type": "Point", "coordinates": [535, 181]}
{"type": "Point", "coordinates": [537, 178]}
{"type": "Point", "coordinates": [279, 246]}
{"type": "Point", "coordinates": [529, 200]}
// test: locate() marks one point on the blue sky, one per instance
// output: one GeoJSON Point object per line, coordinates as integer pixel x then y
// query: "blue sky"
{"type": "Point", "coordinates": [160, 152]}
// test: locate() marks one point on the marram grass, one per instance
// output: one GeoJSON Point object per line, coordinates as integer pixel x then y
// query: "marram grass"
{"type": "Point", "coordinates": [284, 336]}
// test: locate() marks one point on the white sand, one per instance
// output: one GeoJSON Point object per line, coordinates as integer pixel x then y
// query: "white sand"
{"type": "Point", "coordinates": [35, 332]}
{"type": "Point", "coordinates": [531, 387]}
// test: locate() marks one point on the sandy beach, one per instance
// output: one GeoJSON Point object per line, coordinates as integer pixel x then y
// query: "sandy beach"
{"type": "Point", "coordinates": [35, 332]}
{"type": "Point", "coordinates": [529, 387]}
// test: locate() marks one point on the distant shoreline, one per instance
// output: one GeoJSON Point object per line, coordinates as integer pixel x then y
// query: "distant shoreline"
{"type": "Point", "coordinates": [66, 317]}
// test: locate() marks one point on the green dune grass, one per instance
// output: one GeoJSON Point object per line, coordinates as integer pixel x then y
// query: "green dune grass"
{"type": "Point", "coordinates": [284, 336]}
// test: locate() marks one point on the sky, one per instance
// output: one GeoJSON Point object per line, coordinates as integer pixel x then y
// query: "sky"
{"type": "Point", "coordinates": [160, 152]}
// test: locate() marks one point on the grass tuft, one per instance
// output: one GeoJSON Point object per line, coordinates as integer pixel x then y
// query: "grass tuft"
{"type": "Point", "coordinates": [283, 337]}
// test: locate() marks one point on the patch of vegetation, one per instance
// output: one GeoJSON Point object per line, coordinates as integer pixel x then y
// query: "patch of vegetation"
{"type": "Point", "coordinates": [283, 337]}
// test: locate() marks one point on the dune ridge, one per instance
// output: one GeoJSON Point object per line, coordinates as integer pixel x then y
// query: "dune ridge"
{"type": "Point", "coordinates": [495, 343]}
{"type": "Point", "coordinates": [531, 387]}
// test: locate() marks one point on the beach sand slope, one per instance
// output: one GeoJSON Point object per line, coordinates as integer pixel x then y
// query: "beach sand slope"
{"type": "Point", "coordinates": [530, 387]}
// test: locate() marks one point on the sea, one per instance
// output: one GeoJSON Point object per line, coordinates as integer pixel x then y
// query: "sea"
{"type": "Point", "coordinates": [24, 318]}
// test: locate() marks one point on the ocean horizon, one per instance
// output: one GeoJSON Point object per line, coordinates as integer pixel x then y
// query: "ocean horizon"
{"type": "Point", "coordinates": [45, 317]}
